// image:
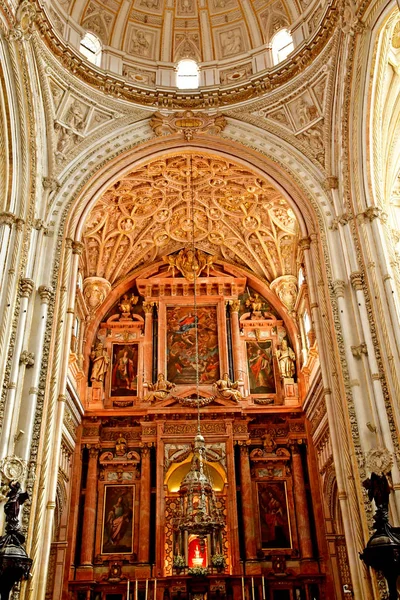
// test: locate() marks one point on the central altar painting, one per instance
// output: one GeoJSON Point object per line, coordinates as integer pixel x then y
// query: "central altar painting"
{"type": "Point", "coordinates": [181, 344]}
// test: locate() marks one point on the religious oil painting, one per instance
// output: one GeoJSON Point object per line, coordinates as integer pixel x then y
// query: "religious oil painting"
{"type": "Point", "coordinates": [181, 344]}
{"type": "Point", "coordinates": [118, 519]}
{"type": "Point", "coordinates": [261, 368]}
{"type": "Point", "coordinates": [124, 370]}
{"type": "Point", "coordinates": [274, 516]}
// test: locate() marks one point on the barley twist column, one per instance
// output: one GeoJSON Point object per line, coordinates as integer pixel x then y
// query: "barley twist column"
{"type": "Point", "coordinates": [239, 366]}
{"type": "Point", "coordinates": [300, 499]}
{"type": "Point", "coordinates": [247, 504]}
{"type": "Point", "coordinates": [145, 492]}
{"type": "Point", "coordinates": [89, 511]}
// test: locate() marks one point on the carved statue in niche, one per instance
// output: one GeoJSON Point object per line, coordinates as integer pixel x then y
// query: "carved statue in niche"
{"type": "Point", "coordinates": [100, 362]}
{"type": "Point", "coordinates": [120, 446]}
{"type": "Point", "coordinates": [190, 263]}
{"type": "Point", "coordinates": [254, 303]}
{"type": "Point", "coordinates": [160, 390]}
{"type": "Point", "coordinates": [125, 307]}
{"type": "Point", "coordinates": [268, 443]}
{"type": "Point", "coordinates": [225, 388]}
{"type": "Point", "coordinates": [286, 360]}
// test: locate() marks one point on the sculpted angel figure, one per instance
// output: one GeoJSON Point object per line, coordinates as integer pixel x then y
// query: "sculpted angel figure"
{"type": "Point", "coordinates": [160, 390]}
{"type": "Point", "coordinates": [228, 389]}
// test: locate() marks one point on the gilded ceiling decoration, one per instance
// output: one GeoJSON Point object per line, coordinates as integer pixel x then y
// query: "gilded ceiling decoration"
{"type": "Point", "coordinates": [238, 217]}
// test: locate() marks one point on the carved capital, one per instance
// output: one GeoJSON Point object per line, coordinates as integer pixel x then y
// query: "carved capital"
{"type": "Point", "coordinates": [49, 183]}
{"type": "Point", "coordinates": [7, 218]}
{"type": "Point", "coordinates": [26, 287]}
{"type": "Point", "coordinates": [244, 450]}
{"type": "Point", "coordinates": [27, 358]}
{"type": "Point", "coordinates": [94, 450]}
{"type": "Point", "coordinates": [45, 293]}
{"type": "Point", "coordinates": [95, 291]}
{"type": "Point", "coordinates": [235, 305]}
{"type": "Point", "coordinates": [356, 279]}
{"type": "Point", "coordinates": [332, 182]}
{"type": "Point", "coordinates": [148, 308]}
{"type": "Point", "coordinates": [338, 288]}
{"type": "Point", "coordinates": [305, 243]}
{"type": "Point", "coordinates": [77, 248]}
{"type": "Point", "coordinates": [358, 351]}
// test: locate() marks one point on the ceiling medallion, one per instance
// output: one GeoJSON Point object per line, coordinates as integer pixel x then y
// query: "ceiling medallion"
{"type": "Point", "coordinates": [188, 123]}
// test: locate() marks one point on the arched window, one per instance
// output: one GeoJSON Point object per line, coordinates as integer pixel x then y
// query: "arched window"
{"type": "Point", "coordinates": [91, 48]}
{"type": "Point", "coordinates": [187, 75]}
{"type": "Point", "coordinates": [282, 46]}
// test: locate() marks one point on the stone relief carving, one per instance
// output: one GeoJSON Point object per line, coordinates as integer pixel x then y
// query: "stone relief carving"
{"type": "Point", "coordinates": [141, 42]}
{"type": "Point", "coordinates": [231, 42]}
{"type": "Point", "coordinates": [95, 291]}
{"type": "Point", "coordinates": [188, 123]}
{"type": "Point", "coordinates": [285, 287]}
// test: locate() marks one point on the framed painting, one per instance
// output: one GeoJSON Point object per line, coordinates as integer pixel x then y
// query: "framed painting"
{"type": "Point", "coordinates": [181, 344]}
{"type": "Point", "coordinates": [124, 369]}
{"type": "Point", "coordinates": [117, 533]}
{"type": "Point", "coordinates": [260, 367]}
{"type": "Point", "coordinates": [273, 515]}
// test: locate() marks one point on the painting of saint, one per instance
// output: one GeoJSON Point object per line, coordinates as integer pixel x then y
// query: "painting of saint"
{"type": "Point", "coordinates": [181, 344]}
{"type": "Point", "coordinates": [261, 369]}
{"type": "Point", "coordinates": [274, 519]}
{"type": "Point", "coordinates": [124, 370]}
{"type": "Point", "coordinates": [118, 519]}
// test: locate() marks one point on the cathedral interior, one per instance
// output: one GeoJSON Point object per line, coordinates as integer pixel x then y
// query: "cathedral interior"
{"type": "Point", "coordinates": [200, 295]}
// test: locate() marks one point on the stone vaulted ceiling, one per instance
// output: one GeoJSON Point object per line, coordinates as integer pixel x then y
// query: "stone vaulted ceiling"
{"type": "Point", "coordinates": [238, 217]}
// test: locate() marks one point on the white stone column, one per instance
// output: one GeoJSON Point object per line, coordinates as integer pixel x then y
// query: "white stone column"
{"type": "Point", "coordinates": [28, 404]}
{"type": "Point", "coordinates": [348, 503]}
{"type": "Point", "coordinates": [26, 287]}
{"type": "Point", "coordinates": [51, 453]}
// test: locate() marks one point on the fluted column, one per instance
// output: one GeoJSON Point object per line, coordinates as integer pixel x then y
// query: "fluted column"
{"type": "Point", "coordinates": [247, 504]}
{"type": "Point", "coordinates": [300, 499]}
{"type": "Point", "coordinates": [145, 491]}
{"type": "Point", "coordinates": [148, 342]}
{"type": "Point", "coordinates": [239, 366]}
{"type": "Point", "coordinates": [89, 511]}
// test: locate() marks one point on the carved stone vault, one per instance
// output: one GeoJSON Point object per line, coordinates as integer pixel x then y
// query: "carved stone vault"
{"type": "Point", "coordinates": [238, 217]}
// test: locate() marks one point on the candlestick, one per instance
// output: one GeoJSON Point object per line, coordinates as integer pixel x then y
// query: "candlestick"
{"type": "Point", "coordinates": [147, 589]}
{"type": "Point", "coordinates": [136, 589]}
{"type": "Point", "coordinates": [263, 588]}
{"type": "Point", "coordinates": [252, 588]}
{"type": "Point", "coordinates": [243, 595]}
{"type": "Point", "coordinates": [127, 590]}
{"type": "Point", "coordinates": [155, 589]}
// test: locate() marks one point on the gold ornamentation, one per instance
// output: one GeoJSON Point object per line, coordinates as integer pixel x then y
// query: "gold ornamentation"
{"type": "Point", "coordinates": [190, 263]}
{"type": "Point", "coordinates": [126, 305]}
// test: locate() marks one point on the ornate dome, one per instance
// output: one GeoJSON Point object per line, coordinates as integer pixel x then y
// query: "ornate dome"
{"type": "Point", "coordinates": [143, 40]}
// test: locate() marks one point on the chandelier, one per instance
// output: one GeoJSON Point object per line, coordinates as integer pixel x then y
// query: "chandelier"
{"type": "Point", "coordinates": [198, 513]}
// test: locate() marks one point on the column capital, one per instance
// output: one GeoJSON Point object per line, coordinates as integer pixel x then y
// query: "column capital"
{"type": "Point", "coordinates": [7, 218]}
{"type": "Point", "coordinates": [77, 248]}
{"type": "Point", "coordinates": [338, 288]}
{"type": "Point", "coordinates": [45, 293]}
{"type": "Point", "coordinates": [94, 450]}
{"type": "Point", "coordinates": [244, 449]}
{"type": "Point", "coordinates": [305, 243]}
{"type": "Point", "coordinates": [357, 279]}
{"type": "Point", "coordinates": [26, 287]}
{"type": "Point", "coordinates": [235, 305]}
{"type": "Point", "coordinates": [148, 308]}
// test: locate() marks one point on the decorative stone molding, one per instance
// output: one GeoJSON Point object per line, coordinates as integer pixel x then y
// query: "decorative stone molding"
{"type": "Point", "coordinates": [379, 461]}
{"type": "Point", "coordinates": [26, 17]}
{"type": "Point", "coordinates": [26, 287]}
{"type": "Point", "coordinates": [187, 123]}
{"type": "Point", "coordinates": [285, 287]}
{"type": "Point", "coordinates": [332, 183]}
{"type": "Point", "coordinates": [95, 291]}
{"type": "Point", "coordinates": [358, 351]}
{"type": "Point", "coordinates": [50, 183]}
{"type": "Point", "coordinates": [305, 243]}
{"type": "Point", "coordinates": [40, 224]}
{"type": "Point", "coordinates": [12, 468]}
{"type": "Point", "coordinates": [27, 359]}
{"type": "Point", "coordinates": [148, 307]}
